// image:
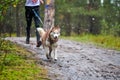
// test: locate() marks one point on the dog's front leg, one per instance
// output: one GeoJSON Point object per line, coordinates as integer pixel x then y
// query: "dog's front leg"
{"type": "Point", "coordinates": [47, 52]}
{"type": "Point", "coordinates": [50, 51]}
{"type": "Point", "coordinates": [55, 54]}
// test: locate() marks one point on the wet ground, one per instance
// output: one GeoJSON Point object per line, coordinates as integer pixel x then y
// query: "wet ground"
{"type": "Point", "coordinates": [77, 61]}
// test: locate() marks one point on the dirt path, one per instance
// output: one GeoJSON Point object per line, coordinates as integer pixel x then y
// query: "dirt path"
{"type": "Point", "coordinates": [77, 61]}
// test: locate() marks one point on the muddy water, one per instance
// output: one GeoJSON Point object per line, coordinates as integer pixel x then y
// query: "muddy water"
{"type": "Point", "coordinates": [77, 61]}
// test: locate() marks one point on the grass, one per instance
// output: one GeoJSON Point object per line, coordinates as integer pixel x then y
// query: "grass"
{"type": "Point", "coordinates": [99, 40]}
{"type": "Point", "coordinates": [15, 65]}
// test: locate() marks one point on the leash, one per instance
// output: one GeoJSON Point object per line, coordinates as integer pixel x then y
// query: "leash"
{"type": "Point", "coordinates": [37, 16]}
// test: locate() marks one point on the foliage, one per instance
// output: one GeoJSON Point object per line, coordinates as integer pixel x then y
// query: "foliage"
{"type": "Point", "coordinates": [15, 65]}
{"type": "Point", "coordinates": [12, 18]}
{"type": "Point", "coordinates": [105, 15]}
{"type": "Point", "coordinates": [105, 27]}
{"type": "Point", "coordinates": [72, 15]}
{"type": "Point", "coordinates": [105, 41]}
{"type": "Point", "coordinates": [5, 4]}
{"type": "Point", "coordinates": [5, 46]}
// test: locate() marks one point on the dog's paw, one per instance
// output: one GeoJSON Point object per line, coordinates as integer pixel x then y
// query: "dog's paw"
{"type": "Point", "coordinates": [55, 59]}
{"type": "Point", "coordinates": [47, 56]}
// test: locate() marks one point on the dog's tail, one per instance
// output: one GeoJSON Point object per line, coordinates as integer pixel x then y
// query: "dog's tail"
{"type": "Point", "coordinates": [41, 31]}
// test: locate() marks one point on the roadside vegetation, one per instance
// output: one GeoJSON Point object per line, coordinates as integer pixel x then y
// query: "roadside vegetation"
{"type": "Point", "coordinates": [16, 65]}
{"type": "Point", "coordinates": [107, 41]}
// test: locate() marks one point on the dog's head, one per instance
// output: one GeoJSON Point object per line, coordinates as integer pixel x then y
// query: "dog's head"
{"type": "Point", "coordinates": [55, 33]}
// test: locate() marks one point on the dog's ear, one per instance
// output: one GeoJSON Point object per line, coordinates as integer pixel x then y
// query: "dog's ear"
{"type": "Point", "coordinates": [58, 27]}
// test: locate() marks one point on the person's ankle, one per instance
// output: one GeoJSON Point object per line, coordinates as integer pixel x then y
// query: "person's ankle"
{"type": "Point", "coordinates": [38, 44]}
{"type": "Point", "coordinates": [27, 41]}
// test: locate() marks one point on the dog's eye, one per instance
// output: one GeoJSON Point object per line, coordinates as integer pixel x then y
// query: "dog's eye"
{"type": "Point", "coordinates": [54, 33]}
{"type": "Point", "coordinates": [58, 33]}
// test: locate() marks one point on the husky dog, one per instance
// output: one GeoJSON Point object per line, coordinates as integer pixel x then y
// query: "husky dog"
{"type": "Point", "coordinates": [49, 41]}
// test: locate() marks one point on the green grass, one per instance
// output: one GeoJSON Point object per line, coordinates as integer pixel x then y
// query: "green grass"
{"type": "Point", "coordinates": [15, 65]}
{"type": "Point", "coordinates": [99, 40]}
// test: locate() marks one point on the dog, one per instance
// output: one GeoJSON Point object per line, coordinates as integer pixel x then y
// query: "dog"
{"type": "Point", "coordinates": [49, 40]}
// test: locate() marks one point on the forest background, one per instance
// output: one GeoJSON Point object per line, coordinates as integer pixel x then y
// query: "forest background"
{"type": "Point", "coordinates": [75, 17]}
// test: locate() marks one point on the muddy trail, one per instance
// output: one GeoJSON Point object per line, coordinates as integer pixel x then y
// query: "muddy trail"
{"type": "Point", "coordinates": [77, 61]}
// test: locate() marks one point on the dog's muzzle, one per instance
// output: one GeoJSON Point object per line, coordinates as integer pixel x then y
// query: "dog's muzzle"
{"type": "Point", "coordinates": [56, 36]}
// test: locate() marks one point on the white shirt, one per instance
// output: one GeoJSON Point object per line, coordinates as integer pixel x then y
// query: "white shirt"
{"type": "Point", "coordinates": [30, 3]}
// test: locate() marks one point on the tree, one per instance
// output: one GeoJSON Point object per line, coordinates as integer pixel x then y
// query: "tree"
{"type": "Point", "coordinates": [49, 14]}
{"type": "Point", "coordinates": [73, 16]}
{"type": "Point", "coordinates": [11, 16]}
{"type": "Point", "coordinates": [17, 22]}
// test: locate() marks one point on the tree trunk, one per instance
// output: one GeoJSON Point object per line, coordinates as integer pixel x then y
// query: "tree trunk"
{"type": "Point", "coordinates": [68, 28]}
{"type": "Point", "coordinates": [17, 22]}
{"type": "Point", "coordinates": [49, 14]}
